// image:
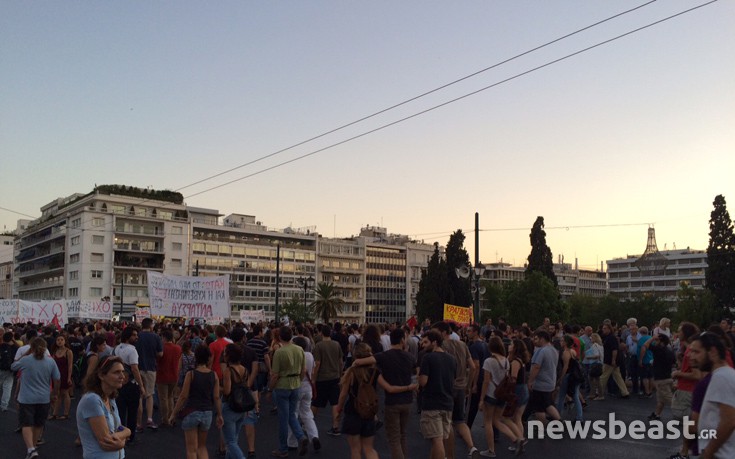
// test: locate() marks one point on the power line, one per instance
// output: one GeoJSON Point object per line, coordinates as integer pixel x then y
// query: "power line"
{"type": "Point", "coordinates": [451, 101]}
{"type": "Point", "coordinates": [414, 98]}
{"type": "Point", "coordinates": [16, 212]}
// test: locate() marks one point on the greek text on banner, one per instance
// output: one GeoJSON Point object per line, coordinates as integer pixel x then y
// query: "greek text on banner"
{"type": "Point", "coordinates": [458, 314]}
{"type": "Point", "coordinates": [186, 296]}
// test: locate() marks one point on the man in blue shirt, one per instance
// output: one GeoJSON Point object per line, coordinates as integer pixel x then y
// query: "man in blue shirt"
{"type": "Point", "coordinates": [34, 396]}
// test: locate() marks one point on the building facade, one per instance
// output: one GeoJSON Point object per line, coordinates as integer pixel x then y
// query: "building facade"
{"type": "Point", "coordinates": [100, 245]}
{"type": "Point", "coordinates": [253, 256]}
{"type": "Point", "coordinates": [342, 264]}
{"type": "Point", "coordinates": [687, 266]}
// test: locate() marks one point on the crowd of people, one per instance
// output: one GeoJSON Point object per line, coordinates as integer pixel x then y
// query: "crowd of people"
{"type": "Point", "coordinates": [224, 375]}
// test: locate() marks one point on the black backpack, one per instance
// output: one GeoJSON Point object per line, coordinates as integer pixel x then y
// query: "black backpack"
{"type": "Point", "coordinates": [79, 371]}
{"type": "Point", "coordinates": [7, 354]}
{"type": "Point", "coordinates": [241, 399]}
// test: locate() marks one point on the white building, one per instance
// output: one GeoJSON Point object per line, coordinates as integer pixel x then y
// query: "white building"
{"type": "Point", "coordinates": [342, 263]}
{"type": "Point", "coordinates": [627, 281]}
{"type": "Point", "coordinates": [100, 245]}
{"type": "Point", "coordinates": [6, 265]}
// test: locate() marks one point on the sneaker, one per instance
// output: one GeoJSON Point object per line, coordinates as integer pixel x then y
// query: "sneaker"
{"type": "Point", "coordinates": [487, 453]}
{"type": "Point", "coordinates": [474, 453]}
{"type": "Point", "coordinates": [40, 442]}
{"type": "Point", "coordinates": [511, 448]}
{"type": "Point", "coordinates": [303, 446]}
{"type": "Point", "coordinates": [316, 444]}
{"type": "Point", "coordinates": [334, 432]}
{"type": "Point", "coordinates": [277, 453]}
{"type": "Point", "coordinates": [32, 454]}
{"type": "Point", "coordinates": [654, 417]}
{"type": "Point", "coordinates": [151, 425]}
{"type": "Point", "coordinates": [679, 456]}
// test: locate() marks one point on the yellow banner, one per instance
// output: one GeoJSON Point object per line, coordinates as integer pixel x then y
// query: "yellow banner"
{"type": "Point", "coordinates": [458, 314]}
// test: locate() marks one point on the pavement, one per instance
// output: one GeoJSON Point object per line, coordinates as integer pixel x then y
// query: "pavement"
{"type": "Point", "coordinates": [169, 442]}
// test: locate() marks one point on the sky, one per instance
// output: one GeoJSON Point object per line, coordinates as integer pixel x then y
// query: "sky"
{"type": "Point", "coordinates": [634, 132]}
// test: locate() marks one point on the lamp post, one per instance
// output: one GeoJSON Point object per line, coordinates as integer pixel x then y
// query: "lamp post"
{"type": "Point", "coordinates": [306, 283]}
{"type": "Point", "coordinates": [474, 274]}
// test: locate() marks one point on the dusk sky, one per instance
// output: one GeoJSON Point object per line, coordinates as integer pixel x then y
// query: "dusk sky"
{"type": "Point", "coordinates": [164, 94]}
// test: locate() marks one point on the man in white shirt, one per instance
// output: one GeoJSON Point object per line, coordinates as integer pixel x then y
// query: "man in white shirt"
{"type": "Point", "coordinates": [133, 389]}
{"type": "Point", "coordinates": [717, 416]}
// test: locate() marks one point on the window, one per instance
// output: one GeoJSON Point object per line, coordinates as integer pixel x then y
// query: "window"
{"type": "Point", "coordinates": [98, 240]}
{"type": "Point", "coordinates": [76, 223]}
{"type": "Point", "coordinates": [177, 230]}
{"type": "Point", "coordinates": [74, 258]}
{"type": "Point", "coordinates": [96, 274]}
{"type": "Point", "coordinates": [95, 292]}
{"type": "Point", "coordinates": [74, 292]}
{"type": "Point", "coordinates": [176, 246]}
{"type": "Point", "coordinates": [97, 257]}
{"type": "Point", "coordinates": [98, 222]}
{"type": "Point", "coordinates": [176, 263]}
{"type": "Point", "coordinates": [75, 240]}
{"type": "Point", "coordinates": [73, 275]}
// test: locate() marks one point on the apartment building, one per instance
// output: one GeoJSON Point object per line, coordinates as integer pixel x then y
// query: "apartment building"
{"type": "Point", "coordinates": [253, 256]}
{"type": "Point", "coordinates": [100, 244]}
{"type": "Point", "coordinates": [342, 264]}
{"type": "Point", "coordinates": [628, 281]}
{"type": "Point", "coordinates": [6, 266]}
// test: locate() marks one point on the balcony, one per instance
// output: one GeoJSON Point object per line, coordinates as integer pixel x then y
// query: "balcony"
{"type": "Point", "coordinates": [42, 270]}
{"type": "Point", "coordinates": [129, 261]}
{"type": "Point", "coordinates": [41, 285]}
{"type": "Point", "coordinates": [137, 247]}
{"type": "Point", "coordinates": [56, 233]}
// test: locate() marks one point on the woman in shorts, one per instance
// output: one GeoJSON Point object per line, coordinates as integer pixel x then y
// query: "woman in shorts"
{"type": "Point", "coordinates": [198, 399]}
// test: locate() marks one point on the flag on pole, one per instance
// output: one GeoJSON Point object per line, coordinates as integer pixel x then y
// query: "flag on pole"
{"type": "Point", "coordinates": [55, 322]}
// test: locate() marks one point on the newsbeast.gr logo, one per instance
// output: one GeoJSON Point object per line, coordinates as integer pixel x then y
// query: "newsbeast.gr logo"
{"type": "Point", "coordinates": [615, 430]}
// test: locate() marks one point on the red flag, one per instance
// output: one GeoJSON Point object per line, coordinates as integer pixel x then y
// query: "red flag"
{"type": "Point", "coordinates": [412, 322]}
{"type": "Point", "coordinates": [124, 324]}
{"type": "Point", "coordinates": [55, 323]}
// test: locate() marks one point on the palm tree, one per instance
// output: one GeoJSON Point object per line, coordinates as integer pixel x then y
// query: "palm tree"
{"type": "Point", "coordinates": [328, 303]}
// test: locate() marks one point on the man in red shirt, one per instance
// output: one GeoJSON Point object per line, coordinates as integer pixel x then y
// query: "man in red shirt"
{"type": "Point", "coordinates": [167, 375]}
{"type": "Point", "coordinates": [686, 380]}
{"type": "Point", "coordinates": [217, 348]}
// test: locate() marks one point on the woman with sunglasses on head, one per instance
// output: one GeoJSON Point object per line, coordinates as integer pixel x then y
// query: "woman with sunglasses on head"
{"type": "Point", "coordinates": [98, 420]}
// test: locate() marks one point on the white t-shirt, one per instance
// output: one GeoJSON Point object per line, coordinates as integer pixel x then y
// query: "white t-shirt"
{"type": "Point", "coordinates": [22, 351]}
{"type": "Point", "coordinates": [309, 362]}
{"type": "Point", "coordinates": [385, 341]}
{"type": "Point", "coordinates": [497, 368]}
{"type": "Point", "coordinates": [721, 390]}
{"type": "Point", "coordinates": [127, 353]}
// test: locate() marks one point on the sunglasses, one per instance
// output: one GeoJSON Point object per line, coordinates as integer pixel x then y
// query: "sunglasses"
{"type": "Point", "coordinates": [109, 360]}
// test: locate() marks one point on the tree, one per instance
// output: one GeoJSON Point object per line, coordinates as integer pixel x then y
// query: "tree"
{"type": "Point", "coordinates": [532, 299]}
{"type": "Point", "coordinates": [457, 257]}
{"type": "Point", "coordinates": [328, 303]}
{"type": "Point", "coordinates": [433, 288]}
{"type": "Point", "coordinates": [296, 310]}
{"type": "Point", "coordinates": [720, 274]}
{"type": "Point", "coordinates": [696, 306]}
{"type": "Point", "coordinates": [540, 258]}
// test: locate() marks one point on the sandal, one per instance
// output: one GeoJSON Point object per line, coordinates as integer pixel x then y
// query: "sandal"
{"type": "Point", "coordinates": [63, 418]}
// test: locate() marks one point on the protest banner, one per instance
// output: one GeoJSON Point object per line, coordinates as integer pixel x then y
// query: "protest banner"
{"type": "Point", "coordinates": [9, 312]}
{"type": "Point", "coordinates": [185, 296]}
{"type": "Point", "coordinates": [142, 313]}
{"type": "Point", "coordinates": [248, 317]}
{"type": "Point", "coordinates": [73, 308]}
{"type": "Point", "coordinates": [43, 312]}
{"type": "Point", "coordinates": [95, 310]}
{"type": "Point", "coordinates": [457, 314]}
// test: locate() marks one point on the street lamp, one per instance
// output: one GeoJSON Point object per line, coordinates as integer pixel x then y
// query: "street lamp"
{"type": "Point", "coordinates": [306, 283]}
{"type": "Point", "coordinates": [477, 271]}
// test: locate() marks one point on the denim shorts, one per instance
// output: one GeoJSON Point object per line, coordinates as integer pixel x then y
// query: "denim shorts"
{"type": "Point", "coordinates": [197, 419]}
